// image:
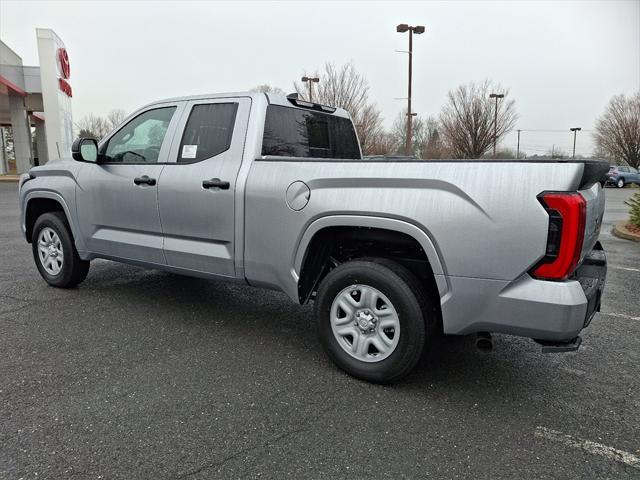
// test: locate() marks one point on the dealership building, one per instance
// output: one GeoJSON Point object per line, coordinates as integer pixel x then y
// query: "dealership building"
{"type": "Point", "coordinates": [35, 105]}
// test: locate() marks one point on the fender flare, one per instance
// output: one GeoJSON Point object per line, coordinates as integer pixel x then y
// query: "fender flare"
{"type": "Point", "coordinates": [36, 194]}
{"type": "Point", "coordinates": [419, 234]}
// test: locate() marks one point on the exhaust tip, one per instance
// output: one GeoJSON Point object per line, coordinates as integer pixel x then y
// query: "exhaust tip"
{"type": "Point", "coordinates": [484, 342]}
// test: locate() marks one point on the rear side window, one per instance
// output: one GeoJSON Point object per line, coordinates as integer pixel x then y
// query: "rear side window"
{"type": "Point", "coordinates": [208, 131]}
{"type": "Point", "coordinates": [293, 132]}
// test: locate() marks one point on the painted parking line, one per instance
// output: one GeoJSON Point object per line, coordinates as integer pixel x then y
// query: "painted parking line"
{"type": "Point", "coordinates": [628, 269]}
{"type": "Point", "coordinates": [588, 446]}
{"type": "Point", "coordinates": [620, 315]}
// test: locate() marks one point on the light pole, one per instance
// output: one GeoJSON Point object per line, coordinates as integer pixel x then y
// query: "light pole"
{"type": "Point", "coordinates": [575, 130]}
{"type": "Point", "coordinates": [310, 81]}
{"type": "Point", "coordinates": [495, 121]}
{"type": "Point", "coordinates": [418, 29]}
{"type": "Point", "coordinates": [518, 151]}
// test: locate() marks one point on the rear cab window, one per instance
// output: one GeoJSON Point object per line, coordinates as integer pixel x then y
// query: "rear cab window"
{"type": "Point", "coordinates": [296, 132]}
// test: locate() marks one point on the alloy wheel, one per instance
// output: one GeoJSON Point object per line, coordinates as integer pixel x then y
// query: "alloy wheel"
{"type": "Point", "coordinates": [50, 251]}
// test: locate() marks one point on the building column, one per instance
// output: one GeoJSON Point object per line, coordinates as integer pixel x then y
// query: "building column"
{"type": "Point", "coordinates": [21, 133]}
{"type": "Point", "coordinates": [41, 142]}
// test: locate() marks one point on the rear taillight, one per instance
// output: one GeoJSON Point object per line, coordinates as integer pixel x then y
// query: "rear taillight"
{"type": "Point", "coordinates": [567, 214]}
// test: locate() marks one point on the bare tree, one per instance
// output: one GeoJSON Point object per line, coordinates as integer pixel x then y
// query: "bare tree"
{"type": "Point", "coordinates": [618, 129]}
{"type": "Point", "coordinates": [382, 144]}
{"type": "Point", "coordinates": [115, 118]}
{"type": "Point", "coordinates": [467, 119]}
{"type": "Point", "coordinates": [97, 127]}
{"type": "Point", "coordinates": [556, 153]}
{"type": "Point", "coordinates": [427, 142]}
{"type": "Point", "coordinates": [399, 133]}
{"type": "Point", "coordinates": [344, 87]}
{"type": "Point", "coordinates": [268, 89]}
{"type": "Point", "coordinates": [369, 128]}
{"type": "Point", "coordinates": [432, 144]}
{"type": "Point", "coordinates": [508, 153]}
{"type": "Point", "coordinates": [92, 126]}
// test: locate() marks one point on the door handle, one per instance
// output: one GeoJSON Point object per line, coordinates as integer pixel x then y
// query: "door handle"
{"type": "Point", "coordinates": [144, 179]}
{"type": "Point", "coordinates": [215, 183]}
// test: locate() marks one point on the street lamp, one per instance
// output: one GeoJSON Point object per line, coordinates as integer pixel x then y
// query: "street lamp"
{"type": "Point", "coordinates": [310, 81]}
{"type": "Point", "coordinates": [418, 29]}
{"type": "Point", "coordinates": [495, 121]}
{"type": "Point", "coordinates": [575, 130]}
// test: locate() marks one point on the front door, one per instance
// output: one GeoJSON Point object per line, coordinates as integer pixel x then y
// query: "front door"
{"type": "Point", "coordinates": [117, 197]}
{"type": "Point", "coordinates": [196, 193]}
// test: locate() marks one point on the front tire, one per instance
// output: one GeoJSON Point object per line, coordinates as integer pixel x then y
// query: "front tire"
{"type": "Point", "coordinates": [620, 183]}
{"type": "Point", "coordinates": [373, 316]}
{"type": "Point", "coordinates": [55, 253]}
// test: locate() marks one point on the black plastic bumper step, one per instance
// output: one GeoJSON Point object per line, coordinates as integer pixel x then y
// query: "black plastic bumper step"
{"type": "Point", "coordinates": [560, 347]}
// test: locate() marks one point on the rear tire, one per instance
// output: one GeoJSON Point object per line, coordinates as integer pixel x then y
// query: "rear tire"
{"type": "Point", "coordinates": [55, 253]}
{"type": "Point", "coordinates": [380, 303]}
{"type": "Point", "coordinates": [620, 183]}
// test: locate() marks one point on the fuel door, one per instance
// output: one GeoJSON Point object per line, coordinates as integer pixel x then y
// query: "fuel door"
{"type": "Point", "coordinates": [298, 195]}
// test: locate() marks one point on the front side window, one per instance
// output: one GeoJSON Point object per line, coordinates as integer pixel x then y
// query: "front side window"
{"type": "Point", "coordinates": [208, 131]}
{"type": "Point", "coordinates": [140, 140]}
{"type": "Point", "coordinates": [294, 132]}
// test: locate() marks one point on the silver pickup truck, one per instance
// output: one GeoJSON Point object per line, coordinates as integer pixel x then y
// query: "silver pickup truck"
{"type": "Point", "coordinates": [273, 191]}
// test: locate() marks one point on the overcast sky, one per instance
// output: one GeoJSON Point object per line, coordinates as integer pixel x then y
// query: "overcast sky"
{"type": "Point", "coordinates": [562, 61]}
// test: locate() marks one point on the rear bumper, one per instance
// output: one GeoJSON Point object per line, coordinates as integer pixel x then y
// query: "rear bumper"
{"type": "Point", "coordinates": [543, 310]}
{"type": "Point", "coordinates": [592, 275]}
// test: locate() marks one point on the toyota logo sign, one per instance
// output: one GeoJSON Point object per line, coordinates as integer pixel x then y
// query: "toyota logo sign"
{"type": "Point", "coordinates": [63, 62]}
{"type": "Point", "coordinates": [65, 72]}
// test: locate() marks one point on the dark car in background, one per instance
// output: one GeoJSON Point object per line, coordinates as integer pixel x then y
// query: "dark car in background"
{"type": "Point", "coordinates": [621, 175]}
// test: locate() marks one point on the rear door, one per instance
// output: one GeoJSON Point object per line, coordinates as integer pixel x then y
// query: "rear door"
{"type": "Point", "coordinates": [116, 199]}
{"type": "Point", "coordinates": [196, 194]}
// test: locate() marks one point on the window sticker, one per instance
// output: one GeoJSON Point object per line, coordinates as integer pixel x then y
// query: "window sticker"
{"type": "Point", "coordinates": [189, 151]}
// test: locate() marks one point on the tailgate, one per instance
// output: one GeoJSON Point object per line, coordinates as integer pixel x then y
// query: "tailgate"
{"type": "Point", "coordinates": [594, 197]}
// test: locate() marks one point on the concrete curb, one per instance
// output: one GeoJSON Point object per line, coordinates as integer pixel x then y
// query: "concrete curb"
{"type": "Point", "coordinates": [9, 178]}
{"type": "Point", "coordinates": [620, 230]}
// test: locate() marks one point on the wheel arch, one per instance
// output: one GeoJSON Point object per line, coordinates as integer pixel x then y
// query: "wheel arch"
{"type": "Point", "coordinates": [307, 276]}
{"type": "Point", "coordinates": [40, 201]}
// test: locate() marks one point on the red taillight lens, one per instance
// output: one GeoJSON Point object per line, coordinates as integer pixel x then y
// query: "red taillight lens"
{"type": "Point", "coordinates": [567, 214]}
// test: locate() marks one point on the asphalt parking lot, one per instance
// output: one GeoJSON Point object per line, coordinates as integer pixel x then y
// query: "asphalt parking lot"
{"type": "Point", "coordinates": [143, 374]}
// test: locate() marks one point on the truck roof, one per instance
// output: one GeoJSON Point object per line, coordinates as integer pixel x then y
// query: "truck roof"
{"type": "Point", "coordinates": [272, 99]}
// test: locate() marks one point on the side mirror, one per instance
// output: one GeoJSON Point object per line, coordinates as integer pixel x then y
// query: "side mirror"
{"type": "Point", "coordinates": [85, 150]}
